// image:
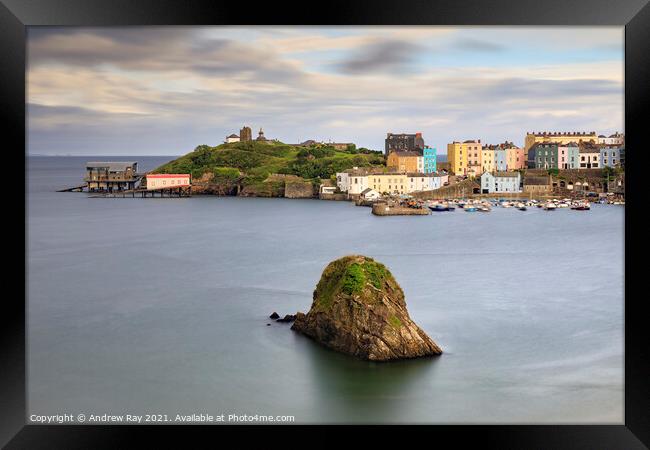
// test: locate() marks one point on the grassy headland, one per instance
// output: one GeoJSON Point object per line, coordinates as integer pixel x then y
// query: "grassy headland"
{"type": "Point", "coordinates": [250, 168]}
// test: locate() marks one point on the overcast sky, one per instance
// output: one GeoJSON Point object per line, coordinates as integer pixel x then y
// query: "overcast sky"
{"type": "Point", "coordinates": [165, 90]}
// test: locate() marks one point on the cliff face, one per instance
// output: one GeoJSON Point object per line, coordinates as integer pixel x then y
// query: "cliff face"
{"type": "Point", "coordinates": [359, 309]}
{"type": "Point", "coordinates": [300, 189]}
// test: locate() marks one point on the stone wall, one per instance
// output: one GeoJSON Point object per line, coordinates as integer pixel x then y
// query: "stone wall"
{"type": "Point", "coordinates": [463, 189]}
{"type": "Point", "coordinates": [300, 189]}
{"type": "Point", "coordinates": [337, 197]}
{"type": "Point", "coordinates": [383, 209]}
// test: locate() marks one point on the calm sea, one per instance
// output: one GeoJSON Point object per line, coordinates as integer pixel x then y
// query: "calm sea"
{"type": "Point", "coordinates": [160, 306]}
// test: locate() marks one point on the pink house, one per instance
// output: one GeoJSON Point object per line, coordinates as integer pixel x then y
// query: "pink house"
{"type": "Point", "coordinates": [515, 158]}
{"type": "Point", "coordinates": [167, 180]}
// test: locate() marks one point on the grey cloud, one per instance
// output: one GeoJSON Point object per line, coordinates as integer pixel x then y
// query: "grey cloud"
{"type": "Point", "coordinates": [476, 45]}
{"type": "Point", "coordinates": [542, 89]}
{"type": "Point", "coordinates": [132, 47]}
{"type": "Point", "coordinates": [46, 115]}
{"type": "Point", "coordinates": [380, 56]}
{"type": "Point", "coordinates": [157, 49]}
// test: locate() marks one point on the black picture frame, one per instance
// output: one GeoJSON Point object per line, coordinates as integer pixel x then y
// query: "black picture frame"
{"type": "Point", "coordinates": [16, 15]}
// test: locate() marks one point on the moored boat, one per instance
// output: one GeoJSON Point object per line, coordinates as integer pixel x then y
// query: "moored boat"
{"type": "Point", "coordinates": [550, 206]}
{"type": "Point", "coordinates": [438, 207]}
{"type": "Point", "coordinates": [581, 206]}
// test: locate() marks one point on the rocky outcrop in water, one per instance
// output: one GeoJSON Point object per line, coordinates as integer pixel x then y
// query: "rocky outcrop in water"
{"type": "Point", "coordinates": [359, 308]}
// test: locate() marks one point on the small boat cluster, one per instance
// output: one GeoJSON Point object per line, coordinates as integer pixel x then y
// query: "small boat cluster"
{"type": "Point", "coordinates": [578, 205]}
{"type": "Point", "coordinates": [486, 205]}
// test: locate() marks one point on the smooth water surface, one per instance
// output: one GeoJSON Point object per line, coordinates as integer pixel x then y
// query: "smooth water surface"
{"type": "Point", "coordinates": [160, 306]}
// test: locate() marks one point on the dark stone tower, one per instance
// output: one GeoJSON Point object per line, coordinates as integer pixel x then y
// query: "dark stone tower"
{"type": "Point", "coordinates": [245, 134]}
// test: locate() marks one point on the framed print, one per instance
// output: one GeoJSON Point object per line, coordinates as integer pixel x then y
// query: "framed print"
{"type": "Point", "coordinates": [370, 214]}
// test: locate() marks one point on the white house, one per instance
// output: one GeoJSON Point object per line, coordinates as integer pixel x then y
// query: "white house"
{"type": "Point", "coordinates": [426, 181]}
{"type": "Point", "coordinates": [370, 194]}
{"type": "Point", "coordinates": [167, 180]}
{"type": "Point", "coordinates": [327, 189]}
{"type": "Point", "coordinates": [500, 182]}
{"type": "Point", "coordinates": [343, 181]}
{"type": "Point", "coordinates": [358, 183]}
{"type": "Point", "coordinates": [232, 138]}
{"type": "Point", "coordinates": [613, 139]}
{"type": "Point", "coordinates": [352, 181]}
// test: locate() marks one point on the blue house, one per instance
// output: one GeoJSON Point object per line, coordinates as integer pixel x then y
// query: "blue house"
{"type": "Point", "coordinates": [568, 156]}
{"type": "Point", "coordinates": [500, 159]}
{"type": "Point", "coordinates": [610, 156]}
{"type": "Point", "coordinates": [544, 155]}
{"type": "Point", "coordinates": [430, 156]}
{"type": "Point", "coordinates": [500, 182]}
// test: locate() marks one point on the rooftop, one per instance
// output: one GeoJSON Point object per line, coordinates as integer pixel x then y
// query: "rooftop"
{"type": "Point", "coordinates": [113, 166]}
{"type": "Point", "coordinates": [366, 190]}
{"type": "Point", "coordinates": [506, 174]}
{"type": "Point", "coordinates": [589, 147]}
{"type": "Point", "coordinates": [423, 175]}
{"type": "Point", "coordinates": [402, 135]}
{"type": "Point", "coordinates": [503, 174]}
{"type": "Point", "coordinates": [404, 154]}
{"type": "Point", "coordinates": [563, 133]}
{"type": "Point", "coordinates": [360, 171]}
{"type": "Point", "coordinates": [537, 180]}
{"type": "Point", "coordinates": [167, 175]}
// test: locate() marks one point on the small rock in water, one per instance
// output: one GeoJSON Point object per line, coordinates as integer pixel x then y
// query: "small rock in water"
{"type": "Point", "coordinates": [274, 315]}
{"type": "Point", "coordinates": [359, 308]}
{"type": "Point", "coordinates": [268, 324]}
{"type": "Point", "coordinates": [287, 318]}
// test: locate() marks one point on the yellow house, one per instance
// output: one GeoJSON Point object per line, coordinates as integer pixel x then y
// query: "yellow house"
{"type": "Point", "coordinates": [403, 161]}
{"type": "Point", "coordinates": [464, 157]}
{"type": "Point", "coordinates": [488, 160]}
{"type": "Point", "coordinates": [562, 137]}
{"type": "Point", "coordinates": [393, 183]}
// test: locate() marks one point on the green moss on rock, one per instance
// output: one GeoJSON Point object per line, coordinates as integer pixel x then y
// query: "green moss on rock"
{"type": "Point", "coordinates": [395, 322]}
{"type": "Point", "coordinates": [354, 279]}
{"type": "Point", "coordinates": [351, 275]}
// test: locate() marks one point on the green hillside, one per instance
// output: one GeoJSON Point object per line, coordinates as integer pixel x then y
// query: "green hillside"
{"type": "Point", "coordinates": [251, 163]}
